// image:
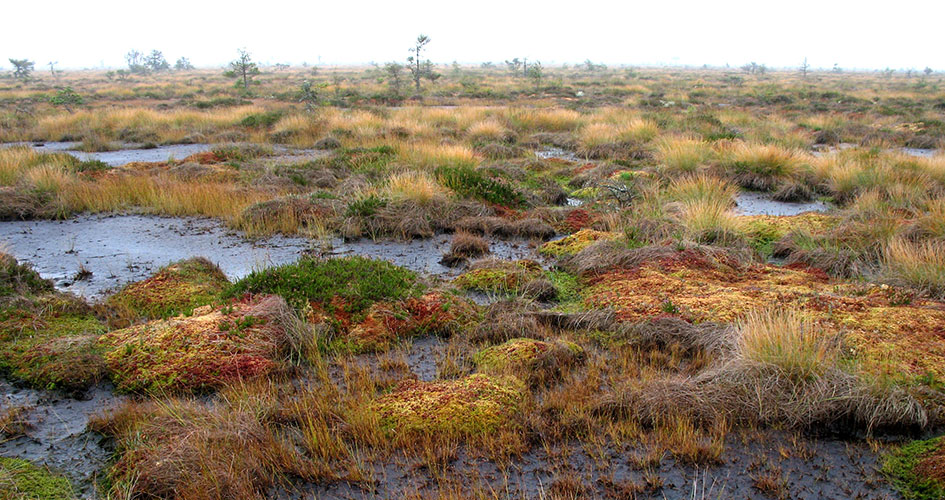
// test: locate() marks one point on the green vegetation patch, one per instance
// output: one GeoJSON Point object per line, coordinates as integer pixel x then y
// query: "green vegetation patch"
{"type": "Point", "coordinates": [175, 289]}
{"type": "Point", "coordinates": [350, 284]}
{"type": "Point", "coordinates": [21, 480]}
{"type": "Point", "coordinates": [473, 405]}
{"type": "Point", "coordinates": [917, 469]}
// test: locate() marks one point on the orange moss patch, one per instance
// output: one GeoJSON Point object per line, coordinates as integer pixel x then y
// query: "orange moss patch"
{"type": "Point", "coordinates": [932, 465]}
{"type": "Point", "coordinates": [243, 339]}
{"type": "Point", "coordinates": [904, 340]}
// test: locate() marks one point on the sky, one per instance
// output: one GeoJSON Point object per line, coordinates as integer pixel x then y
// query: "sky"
{"type": "Point", "coordinates": [861, 34]}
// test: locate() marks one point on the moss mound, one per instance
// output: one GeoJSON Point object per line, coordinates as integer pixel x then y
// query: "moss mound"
{"type": "Point", "coordinates": [21, 480]}
{"type": "Point", "coordinates": [435, 313]}
{"type": "Point", "coordinates": [530, 359]}
{"type": "Point", "coordinates": [473, 405]}
{"type": "Point", "coordinates": [917, 469]}
{"type": "Point", "coordinates": [243, 339]}
{"type": "Point", "coordinates": [47, 338]}
{"type": "Point", "coordinates": [570, 245]}
{"type": "Point", "coordinates": [175, 289]}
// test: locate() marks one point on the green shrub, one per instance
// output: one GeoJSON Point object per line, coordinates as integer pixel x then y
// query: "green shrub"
{"type": "Point", "coordinates": [471, 183]}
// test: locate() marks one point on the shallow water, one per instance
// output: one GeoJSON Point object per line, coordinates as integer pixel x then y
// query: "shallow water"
{"type": "Point", "coordinates": [118, 249]}
{"type": "Point", "coordinates": [124, 156]}
{"type": "Point", "coordinates": [752, 203]}
{"type": "Point", "coordinates": [556, 153]}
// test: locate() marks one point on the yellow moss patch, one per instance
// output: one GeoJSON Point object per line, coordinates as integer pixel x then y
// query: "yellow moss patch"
{"type": "Point", "coordinates": [472, 405]}
{"type": "Point", "coordinates": [570, 245]}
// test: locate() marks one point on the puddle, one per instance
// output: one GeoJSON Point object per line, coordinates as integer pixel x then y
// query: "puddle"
{"type": "Point", "coordinates": [556, 153]}
{"type": "Point", "coordinates": [124, 156]}
{"type": "Point", "coordinates": [58, 437]}
{"type": "Point", "coordinates": [118, 249]}
{"type": "Point", "coordinates": [752, 203]}
{"type": "Point", "coordinates": [920, 152]}
{"type": "Point", "coordinates": [575, 202]}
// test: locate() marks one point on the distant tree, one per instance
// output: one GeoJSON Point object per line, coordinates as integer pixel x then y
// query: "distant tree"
{"type": "Point", "coordinates": [243, 69]}
{"type": "Point", "coordinates": [66, 97]}
{"type": "Point", "coordinates": [420, 69]}
{"type": "Point", "coordinates": [281, 66]}
{"type": "Point", "coordinates": [52, 69]}
{"type": "Point", "coordinates": [804, 68]}
{"type": "Point", "coordinates": [22, 68]}
{"type": "Point", "coordinates": [591, 67]}
{"type": "Point", "coordinates": [927, 71]}
{"type": "Point", "coordinates": [183, 64]}
{"type": "Point", "coordinates": [487, 65]}
{"type": "Point", "coordinates": [136, 62]}
{"type": "Point", "coordinates": [308, 95]}
{"type": "Point", "coordinates": [155, 62]}
{"type": "Point", "coordinates": [836, 68]}
{"type": "Point", "coordinates": [888, 72]}
{"type": "Point", "coordinates": [395, 78]}
{"type": "Point", "coordinates": [535, 74]}
{"type": "Point", "coordinates": [515, 65]}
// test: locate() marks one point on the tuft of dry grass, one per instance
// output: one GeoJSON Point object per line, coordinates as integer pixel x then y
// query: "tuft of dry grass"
{"type": "Point", "coordinates": [682, 155]}
{"type": "Point", "coordinates": [920, 265]}
{"type": "Point", "coordinates": [786, 339]}
{"type": "Point", "coordinates": [412, 185]}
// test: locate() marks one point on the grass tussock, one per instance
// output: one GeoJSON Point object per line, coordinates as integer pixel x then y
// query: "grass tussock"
{"type": "Point", "coordinates": [920, 265]}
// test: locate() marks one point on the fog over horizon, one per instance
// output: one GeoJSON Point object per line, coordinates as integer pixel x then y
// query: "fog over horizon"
{"type": "Point", "coordinates": [854, 35]}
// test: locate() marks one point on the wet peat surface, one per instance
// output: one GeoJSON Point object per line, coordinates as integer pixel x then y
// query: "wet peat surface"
{"type": "Point", "coordinates": [118, 249]}
{"type": "Point", "coordinates": [56, 434]}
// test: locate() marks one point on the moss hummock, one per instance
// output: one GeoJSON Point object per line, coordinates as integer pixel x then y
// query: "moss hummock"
{"type": "Point", "coordinates": [473, 405]}
{"type": "Point", "coordinates": [175, 289]}
{"type": "Point", "coordinates": [21, 480]}
{"type": "Point", "coordinates": [243, 339]}
{"type": "Point", "coordinates": [47, 338]}
{"type": "Point", "coordinates": [570, 245]}
{"type": "Point", "coordinates": [504, 277]}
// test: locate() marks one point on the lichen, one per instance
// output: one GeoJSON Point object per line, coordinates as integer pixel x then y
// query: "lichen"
{"type": "Point", "coordinates": [472, 405]}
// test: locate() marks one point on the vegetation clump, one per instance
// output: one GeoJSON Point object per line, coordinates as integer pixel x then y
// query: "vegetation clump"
{"type": "Point", "coordinates": [574, 243]}
{"type": "Point", "coordinates": [175, 289]}
{"type": "Point", "coordinates": [529, 359]}
{"type": "Point", "coordinates": [498, 276]}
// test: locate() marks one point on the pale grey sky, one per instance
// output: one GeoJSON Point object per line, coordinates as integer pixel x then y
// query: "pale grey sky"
{"type": "Point", "coordinates": [854, 34]}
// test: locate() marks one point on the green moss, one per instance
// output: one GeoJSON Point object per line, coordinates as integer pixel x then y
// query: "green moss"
{"type": "Point", "coordinates": [473, 405]}
{"type": "Point", "coordinates": [20, 279]}
{"type": "Point", "coordinates": [567, 285]}
{"type": "Point", "coordinates": [351, 284]}
{"type": "Point", "coordinates": [21, 480]}
{"type": "Point", "coordinates": [513, 353]}
{"type": "Point", "coordinates": [900, 467]}
{"type": "Point", "coordinates": [173, 290]}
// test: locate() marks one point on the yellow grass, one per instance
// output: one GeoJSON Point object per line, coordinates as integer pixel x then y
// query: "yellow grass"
{"type": "Point", "coordinates": [412, 185]}
{"type": "Point", "coordinates": [920, 265]}
{"type": "Point", "coordinates": [785, 339]}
